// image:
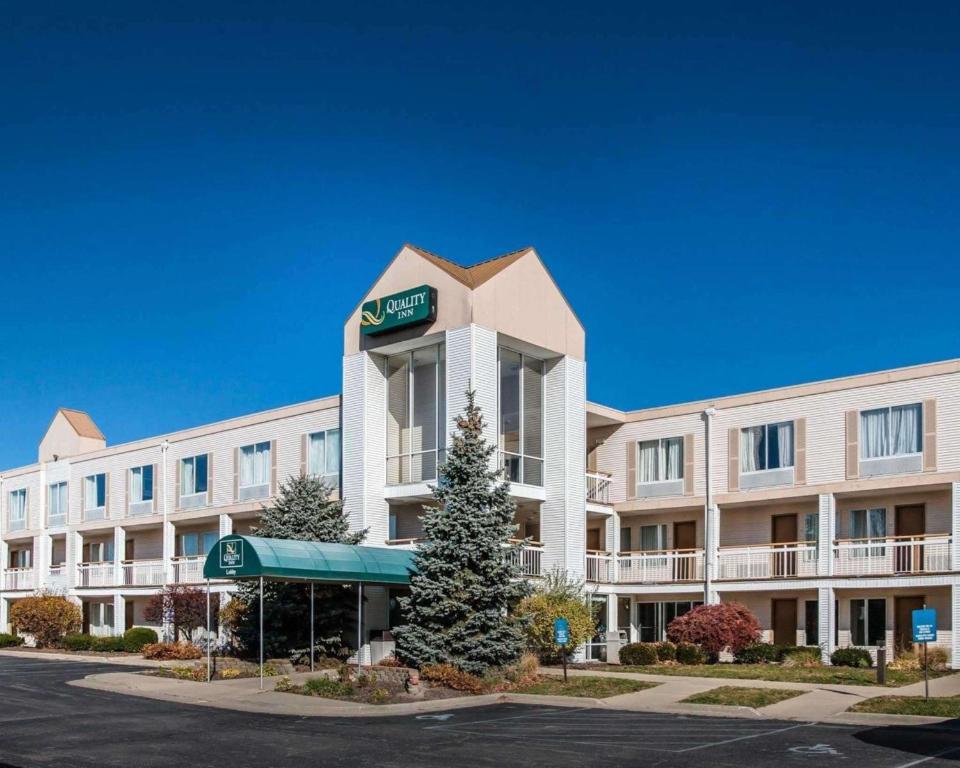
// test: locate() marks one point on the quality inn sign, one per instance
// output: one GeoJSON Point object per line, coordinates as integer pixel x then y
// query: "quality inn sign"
{"type": "Point", "coordinates": [399, 310]}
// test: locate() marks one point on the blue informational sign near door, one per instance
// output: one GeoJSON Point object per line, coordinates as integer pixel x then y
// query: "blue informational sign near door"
{"type": "Point", "coordinates": [925, 626]}
{"type": "Point", "coordinates": [561, 631]}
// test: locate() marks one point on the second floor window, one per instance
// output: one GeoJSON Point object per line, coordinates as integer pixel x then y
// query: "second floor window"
{"type": "Point", "coordinates": [255, 470]}
{"type": "Point", "coordinates": [416, 414]}
{"type": "Point", "coordinates": [94, 493]}
{"type": "Point", "coordinates": [20, 558]}
{"type": "Point", "coordinates": [197, 544]}
{"type": "Point", "coordinates": [895, 431]}
{"type": "Point", "coordinates": [57, 504]}
{"type": "Point", "coordinates": [324, 456]}
{"type": "Point", "coordinates": [521, 417]}
{"type": "Point", "coordinates": [141, 486]}
{"type": "Point", "coordinates": [17, 510]}
{"type": "Point", "coordinates": [769, 446]}
{"type": "Point", "coordinates": [660, 460]}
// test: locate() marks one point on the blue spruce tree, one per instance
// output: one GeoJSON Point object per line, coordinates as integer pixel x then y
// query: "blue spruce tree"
{"type": "Point", "coordinates": [467, 575]}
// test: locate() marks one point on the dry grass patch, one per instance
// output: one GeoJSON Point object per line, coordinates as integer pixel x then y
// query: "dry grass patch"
{"type": "Point", "coordinates": [737, 696]}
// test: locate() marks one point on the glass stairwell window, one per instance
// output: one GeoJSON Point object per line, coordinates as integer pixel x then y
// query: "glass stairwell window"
{"type": "Point", "coordinates": [57, 504]}
{"type": "Point", "coordinates": [416, 414]}
{"type": "Point", "coordinates": [255, 469]}
{"type": "Point", "coordinates": [141, 490]}
{"type": "Point", "coordinates": [17, 510]}
{"type": "Point", "coordinates": [323, 461]}
{"type": "Point", "coordinates": [521, 417]}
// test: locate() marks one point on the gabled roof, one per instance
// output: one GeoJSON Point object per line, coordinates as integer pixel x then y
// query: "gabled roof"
{"type": "Point", "coordinates": [82, 424]}
{"type": "Point", "coordinates": [478, 274]}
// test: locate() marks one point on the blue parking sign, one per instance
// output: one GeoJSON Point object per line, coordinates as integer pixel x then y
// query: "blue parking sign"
{"type": "Point", "coordinates": [925, 626]}
{"type": "Point", "coordinates": [561, 631]}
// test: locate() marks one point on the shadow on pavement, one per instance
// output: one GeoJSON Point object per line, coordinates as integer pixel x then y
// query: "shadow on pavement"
{"type": "Point", "coordinates": [941, 741]}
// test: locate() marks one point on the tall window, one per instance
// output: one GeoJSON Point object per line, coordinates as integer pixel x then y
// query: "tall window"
{"type": "Point", "coordinates": [197, 544]}
{"type": "Point", "coordinates": [20, 558]}
{"type": "Point", "coordinates": [141, 490]}
{"type": "Point", "coordinates": [769, 446]}
{"type": "Point", "coordinates": [868, 524]}
{"type": "Point", "coordinates": [416, 414]}
{"type": "Point", "coordinates": [323, 460]}
{"type": "Point", "coordinates": [98, 552]}
{"type": "Point", "coordinates": [255, 471]}
{"type": "Point", "coordinates": [868, 621]}
{"type": "Point", "coordinates": [57, 504]}
{"type": "Point", "coordinates": [94, 496]}
{"type": "Point", "coordinates": [660, 460]}
{"type": "Point", "coordinates": [193, 480]}
{"type": "Point", "coordinates": [895, 431]}
{"type": "Point", "coordinates": [521, 417]}
{"type": "Point", "coordinates": [17, 510]}
{"type": "Point", "coordinates": [653, 538]}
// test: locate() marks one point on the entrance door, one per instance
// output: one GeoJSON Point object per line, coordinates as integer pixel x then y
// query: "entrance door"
{"type": "Point", "coordinates": [903, 608]}
{"type": "Point", "coordinates": [593, 539]}
{"type": "Point", "coordinates": [128, 614]}
{"type": "Point", "coordinates": [685, 538]}
{"type": "Point", "coordinates": [911, 521]}
{"type": "Point", "coordinates": [784, 532]}
{"type": "Point", "coordinates": [785, 622]}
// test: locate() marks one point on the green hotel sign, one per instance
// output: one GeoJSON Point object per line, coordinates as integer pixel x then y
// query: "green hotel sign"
{"type": "Point", "coordinates": [399, 310]}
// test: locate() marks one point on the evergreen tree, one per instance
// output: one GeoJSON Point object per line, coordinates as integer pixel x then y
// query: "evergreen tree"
{"type": "Point", "coordinates": [304, 511]}
{"type": "Point", "coordinates": [467, 576]}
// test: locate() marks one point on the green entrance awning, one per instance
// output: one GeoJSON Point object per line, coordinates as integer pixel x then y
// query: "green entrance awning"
{"type": "Point", "coordinates": [249, 557]}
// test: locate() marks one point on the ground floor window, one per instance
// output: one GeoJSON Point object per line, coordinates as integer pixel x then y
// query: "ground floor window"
{"type": "Point", "coordinates": [597, 646]}
{"type": "Point", "coordinates": [652, 619]}
{"type": "Point", "coordinates": [812, 622]}
{"type": "Point", "coordinates": [868, 621]}
{"type": "Point", "coordinates": [99, 618]}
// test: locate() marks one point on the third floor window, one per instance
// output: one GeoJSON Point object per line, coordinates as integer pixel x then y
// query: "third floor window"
{"type": "Point", "coordinates": [17, 510]}
{"type": "Point", "coordinates": [323, 461]}
{"type": "Point", "coordinates": [769, 446]}
{"type": "Point", "coordinates": [57, 504]}
{"type": "Point", "coordinates": [255, 466]}
{"type": "Point", "coordinates": [193, 480]}
{"type": "Point", "coordinates": [895, 431]}
{"type": "Point", "coordinates": [141, 489]}
{"type": "Point", "coordinates": [416, 414]}
{"type": "Point", "coordinates": [660, 460]}
{"type": "Point", "coordinates": [521, 417]}
{"type": "Point", "coordinates": [94, 496]}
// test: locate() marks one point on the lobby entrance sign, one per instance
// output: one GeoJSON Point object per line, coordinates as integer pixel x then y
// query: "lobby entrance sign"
{"type": "Point", "coordinates": [399, 310]}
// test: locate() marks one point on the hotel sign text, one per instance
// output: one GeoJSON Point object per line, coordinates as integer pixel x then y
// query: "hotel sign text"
{"type": "Point", "coordinates": [399, 310]}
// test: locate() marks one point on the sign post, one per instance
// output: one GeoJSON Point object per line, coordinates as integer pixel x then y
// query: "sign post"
{"type": "Point", "coordinates": [561, 637]}
{"type": "Point", "coordinates": [925, 631]}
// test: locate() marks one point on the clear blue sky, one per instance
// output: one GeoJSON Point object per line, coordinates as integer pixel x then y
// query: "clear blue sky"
{"type": "Point", "coordinates": [191, 201]}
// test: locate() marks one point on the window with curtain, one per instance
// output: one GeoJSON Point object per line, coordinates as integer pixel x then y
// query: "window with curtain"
{"type": "Point", "coordinates": [255, 465]}
{"type": "Point", "coordinates": [868, 621]}
{"type": "Point", "coordinates": [416, 414]}
{"type": "Point", "coordinates": [197, 544]}
{"type": "Point", "coordinates": [626, 543]}
{"type": "Point", "coordinates": [323, 459]}
{"type": "Point", "coordinates": [811, 534]}
{"type": "Point", "coordinates": [141, 484]}
{"type": "Point", "coordinates": [193, 475]}
{"type": "Point", "coordinates": [521, 417]}
{"type": "Point", "coordinates": [660, 460]}
{"type": "Point", "coordinates": [768, 446]}
{"type": "Point", "coordinates": [896, 431]}
{"type": "Point", "coordinates": [20, 558]}
{"type": "Point", "coordinates": [95, 492]}
{"type": "Point", "coordinates": [653, 538]}
{"type": "Point", "coordinates": [868, 524]}
{"type": "Point", "coordinates": [17, 510]}
{"type": "Point", "coordinates": [57, 504]}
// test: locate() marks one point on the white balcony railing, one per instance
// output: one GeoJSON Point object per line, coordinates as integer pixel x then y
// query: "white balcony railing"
{"type": "Point", "coordinates": [142, 573]}
{"type": "Point", "coordinates": [18, 578]}
{"type": "Point", "coordinates": [599, 567]}
{"type": "Point", "coordinates": [530, 558]}
{"type": "Point", "coordinates": [768, 561]}
{"type": "Point", "coordinates": [662, 566]}
{"type": "Point", "coordinates": [598, 487]}
{"type": "Point", "coordinates": [95, 575]}
{"type": "Point", "coordinates": [892, 555]}
{"type": "Point", "coordinates": [188, 569]}
{"type": "Point", "coordinates": [57, 577]}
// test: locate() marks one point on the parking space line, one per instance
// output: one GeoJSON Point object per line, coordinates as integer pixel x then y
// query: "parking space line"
{"type": "Point", "coordinates": [743, 738]}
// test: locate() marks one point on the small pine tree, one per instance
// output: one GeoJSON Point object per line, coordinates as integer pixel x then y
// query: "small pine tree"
{"type": "Point", "coordinates": [466, 579]}
{"type": "Point", "coordinates": [303, 511]}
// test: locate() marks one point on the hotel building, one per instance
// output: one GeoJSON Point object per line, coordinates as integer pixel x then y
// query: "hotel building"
{"type": "Point", "coordinates": [832, 509]}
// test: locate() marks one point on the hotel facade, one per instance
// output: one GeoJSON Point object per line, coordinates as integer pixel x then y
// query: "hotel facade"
{"type": "Point", "coordinates": [832, 509]}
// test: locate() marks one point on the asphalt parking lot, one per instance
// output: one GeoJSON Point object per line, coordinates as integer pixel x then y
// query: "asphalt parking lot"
{"type": "Point", "coordinates": [45, 723]}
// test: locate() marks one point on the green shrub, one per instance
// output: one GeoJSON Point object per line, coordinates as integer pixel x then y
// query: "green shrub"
{"type": "Point", "coordinates": [112, 644]}
{"type": "Point", "coordinates": [539, 611]}
{"type": "Point", "coordinates": [851, 657]}
{"type": "Point", "coordinates": [639, 654]}
{"type": "Point", "coordinates": [666, 651]}
{"type": "Point", "coordinates": [136, 637]}
{"type": "Point", "coordinates": [688, 653]}
{"type": "Point", "coordinates": [757, 653]}
{"type": "Point", "coordinates": [324, 686]}
{"type": "Point", "coordinates": [10, 641]}
{"type": "Point", "coordinates": [77, 642]}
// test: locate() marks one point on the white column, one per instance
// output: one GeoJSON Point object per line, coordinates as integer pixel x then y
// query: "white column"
{"type": "Point", "coordinates": [472, 364]}
{"type": "Point", "coordinates": [827, 622]}
{"type": "Point", "coordinates": [119, 545]}
{"type": "Point", "coordinates": [827, 522]}
{"type": "Point", "coordinates": [955, 620]}
{"type": "Point", "coordinates": [41, 560]}
{"type": "Point", "coordinates": [711, 554]}
{"type": "Point", "coordinates": [74, 557]}
{"type": "Point", "coordinates": [4, 618]}
{"type": "Point", "coordinates": [613, 642]}
{"type": "Point", "coordinates": [226, 525]}
{"type": "Point", "coordinates": [169, 534]}
{"type": "Point", "coordinates": [4, 559]}
{"type": "Point", "coordinates": [955, 526]}
{"type": "Point", "coordinates": [612, 535]}
{"type": "Point", "coordinates": [119, 614]}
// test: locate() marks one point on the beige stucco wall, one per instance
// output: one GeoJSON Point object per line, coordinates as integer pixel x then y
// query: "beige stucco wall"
{"type": "Point", "coordinates": [62, 440]}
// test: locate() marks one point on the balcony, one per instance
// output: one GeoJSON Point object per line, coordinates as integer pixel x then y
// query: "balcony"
{"type": "Point", "coordinates": [530, 556]}
{"type": "Point", "coordinates": [142, 573]}
{"type": "Point", "coordinates": [99, 574]}
{"type": "Point", "coordinates": [57, 577]}
{"type": "Point", "coordinates": [660, 567]}
{"type": "Point", "coordinates": [599, 567]}
{"type": "Point", "coordinates": [18, 578]}
{"type": "Point", "coordinates": [768, 561]}
{"type": "Point", "coordinates": [188, 569]}
{"type": "Point", "coordinates": [598, 487]}
{"type": "Point", "coordinates": [893, 555]}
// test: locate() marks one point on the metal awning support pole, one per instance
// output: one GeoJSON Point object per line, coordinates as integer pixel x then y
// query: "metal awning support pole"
{"type": "Point", "coordinates": [359, 625]}
{"type": "Point", "coordinates": [261, 633]}
{"type": "Point", "coordinates": [208, 630]}
{"type": "Point", "coordinates": [311, 626]}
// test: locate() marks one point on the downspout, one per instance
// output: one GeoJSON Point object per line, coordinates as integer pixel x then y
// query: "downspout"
{"type": "Point", "coordinates": [708, 415]}
{"type": "Point", "coordinates": [164, 548]}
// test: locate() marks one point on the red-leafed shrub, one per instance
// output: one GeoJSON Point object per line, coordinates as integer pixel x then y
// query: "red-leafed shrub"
{"type": "Point", "coordinates": [726, 626]}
